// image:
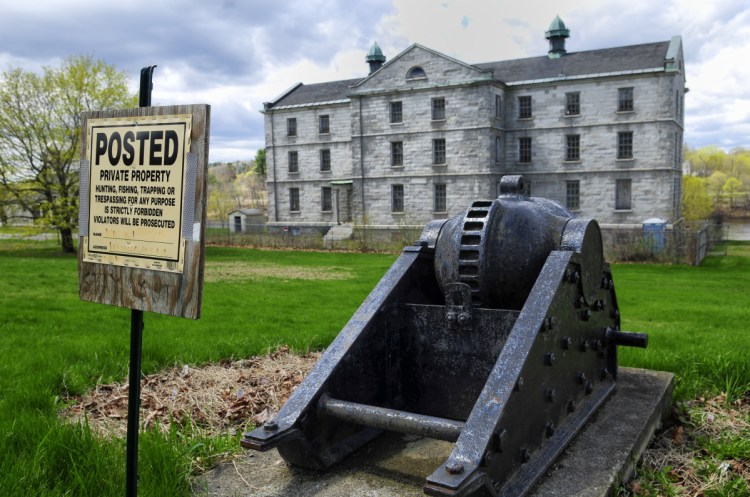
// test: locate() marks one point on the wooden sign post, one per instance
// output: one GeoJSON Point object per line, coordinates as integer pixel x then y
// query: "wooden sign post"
{"type": "Point", "coordinates": [142, 221]}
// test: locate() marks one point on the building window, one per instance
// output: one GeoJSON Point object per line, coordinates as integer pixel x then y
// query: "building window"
{"type": "Point", "coordinates": [397, 154]}
{"type": "Point", "coordinates": [293, 162]}
{"type": "Point", "coordinates": [524, 107]}
{"type": "Point", "coordinates": [625, 145]}
{"type": "Point", "coordinates": [294, 199]}
{"type": "Point", "coordinates": [291, 126]}
{"type": "Point", "coordinates": [325, 160]}
{"type": "Point", "coordinates": [498, 106]}
{"type": "Point", "coordinates": [324, 124]}
{"type": "Point", "coordinates": [573, 195]}
{"type": "Point", "coordinates": [397, 198]}
{"type": "Point", "coordinates": [573, 104]}
{"type": "Point", "coordinates": [524, 149]}
{"type": "Point", "coordinates": [623, 195]}
{"type": "Point", "coordinates": [625, 100]}
{"type": "Point", "coordinates": [440, 203]}
{"type": "Point", "coordinates": [438, 109]}
{"type": "Point", "coordinates": [572, 147]}
{"type": "Point", "coordinates": [326, 199]}
{"type": "Point", "coordinates": [438, 151]}
{"type": "Point", "coordinates": [498, 149]}
{"type": "Point", "coordinates": [397, 115]}
{"type": "Point", "coordinates": [416, 73]}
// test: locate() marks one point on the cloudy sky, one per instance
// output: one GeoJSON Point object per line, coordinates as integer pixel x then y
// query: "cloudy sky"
{"type": "Point", "coordinates": [235, 55]}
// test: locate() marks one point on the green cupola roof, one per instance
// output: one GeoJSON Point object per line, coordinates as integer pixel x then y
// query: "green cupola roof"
{"type": "Point", "coordinates": [375, 54]}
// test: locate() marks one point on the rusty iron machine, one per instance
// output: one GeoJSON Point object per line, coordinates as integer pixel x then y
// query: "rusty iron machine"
{"type": "Point", "coordinates": [498, 331]}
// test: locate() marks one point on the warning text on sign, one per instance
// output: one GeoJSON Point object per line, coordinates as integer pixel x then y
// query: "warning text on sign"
{"type": "Point", "coordinates": [137, 170]}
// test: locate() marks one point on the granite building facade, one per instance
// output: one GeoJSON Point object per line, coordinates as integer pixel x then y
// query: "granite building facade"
{"type": "Point", "coordinates": [424, 134]}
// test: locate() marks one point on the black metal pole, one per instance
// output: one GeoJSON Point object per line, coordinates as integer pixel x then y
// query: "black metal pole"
{"type": "Point", "coordinates": [144, 96]}
{"type": "Point", "coordinates": [134, 401]}
{"type": "Point", "coordinates": [136, 346]}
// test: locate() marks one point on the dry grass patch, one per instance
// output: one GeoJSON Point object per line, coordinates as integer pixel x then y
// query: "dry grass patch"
{"type": "Point", "coordinates": [238, 271]}
{"type": "Point", "coordinates": [213, 399]}
{"type": "Point", "coordinates": [704, 454]}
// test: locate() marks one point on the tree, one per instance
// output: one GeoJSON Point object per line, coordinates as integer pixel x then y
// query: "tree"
{"type": "Point", "coordinates": [260, 163]}
{"type": "Point", "coordinates": [696, 203]}
{"type": "Point", "coordinates": [40, 133]}
{"type": "Point", "coordinates": [732, 187]}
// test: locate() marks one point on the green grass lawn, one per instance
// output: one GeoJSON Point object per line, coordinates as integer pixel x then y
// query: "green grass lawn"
{"type": "Point", "coordinates": [52, 345]}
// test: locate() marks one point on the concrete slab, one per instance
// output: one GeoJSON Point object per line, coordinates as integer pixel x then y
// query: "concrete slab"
{"type": "Point", "coordinates": [396, 465]}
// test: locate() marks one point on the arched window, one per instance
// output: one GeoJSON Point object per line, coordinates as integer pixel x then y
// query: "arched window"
{"type": "Point", "coordinates": [416, 73]}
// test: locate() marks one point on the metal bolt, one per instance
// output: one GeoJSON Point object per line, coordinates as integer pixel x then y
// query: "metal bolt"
{"type": "Point", "coordinates": [599, 305]}
{"type": "Point", "coordinates": [454, 467]}
{"type": "Point", "coordinates": [451, 317]}
{"type": "Point", "coordinates": [271, 426]}
{"type": "Point", "coordinates": [615, 313]}
{"type": "Point", "coordinates": [581, 377]}
{"type": "Point", "coordinates": [566, 342]}
{"type": "Point", "coordinates": [580, 301]}
{"type": "Point", "coordinates": [606, 374]}
{"type": "Point", "coordinates": [549, 358]}
{"type": "Point", "coordinates": [589, 388]}
{"type": "Point", "coordinates": [584, 345]}
{"type": "Point", "coordinates": [605, 283]}
{"type": "Point", "coordinates": [463, 318]}
{"type": "Point", "coordinates": [549, 430]}
{"type": "Point", "coordinates": [525, 455]}
{"type": "Point", "coordinates": [550, 395]}
{"type": "Point", "coordinates": [571, 405]}
{"type": "Point", "coordinates": [519, 384]}
{"type": "Point", "coordinates": [499, 439]}
{"type": "Point", "coordinates": [586, 315]}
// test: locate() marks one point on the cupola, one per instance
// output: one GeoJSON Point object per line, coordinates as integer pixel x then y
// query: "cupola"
{"type": "Point", "coordinates": [375, 58]}
{"type": "Point", "coordinates": [556, 36]}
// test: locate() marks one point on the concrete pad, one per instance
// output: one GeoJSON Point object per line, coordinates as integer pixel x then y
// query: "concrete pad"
{"type": "Point", "coordinates": [396, 465]}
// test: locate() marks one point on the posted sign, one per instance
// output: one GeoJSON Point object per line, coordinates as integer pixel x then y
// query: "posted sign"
{"type": "Point", "coordinates": [136, 191]}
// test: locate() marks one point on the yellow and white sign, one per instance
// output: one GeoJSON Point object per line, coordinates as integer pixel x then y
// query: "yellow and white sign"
{"type": "Point", "coordinates": [136, 190]}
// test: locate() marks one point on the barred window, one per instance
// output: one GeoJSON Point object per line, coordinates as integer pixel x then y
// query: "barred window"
{"type": "Point", "coordinates": [625, 145]}
{"type": "Point", "coordinates": [326, 199]}
{"type": "Point", "coordinates": [397, 198]}
{"type": "Point", "coordinates": [325, 159]}
{"type": "Point", "coordinates": [294, 199]}
{"type": "Point", "coordinates": [572, 147]}
{"type": "Point", "coordinates": [396, 112]}
{"type": "Point", "coordinates": [524, 107]}
{"type": "Point", "coordinates": [572, 104]}
{"type": "Point", "coordinates": [573, 195]}
{"type": "Point", "coordinates": [438, 109]}
{"type": "Point", "coordinates": [324, 124]}
{"type": "Point", "coordinates": [397, 154]}
{"type": "Point", "coordinates": [438, 151]}
{"type": "Point", "coordinates": [291, 126]}
{"type": "Point", "coordinates": [625, 99]}
{"type": "Point", "coordinates": [440, 203]}
{"type": "Point", "coordinates": [293, 159]}
{"type": "Point", "coordinates": [524, 149]}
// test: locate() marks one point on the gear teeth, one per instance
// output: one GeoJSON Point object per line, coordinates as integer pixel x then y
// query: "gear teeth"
{"type": "Point", "coordinates": [471, 253]}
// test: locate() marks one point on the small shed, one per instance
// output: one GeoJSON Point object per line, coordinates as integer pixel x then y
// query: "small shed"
{"type": "Point", "coordinates": [242, 220]}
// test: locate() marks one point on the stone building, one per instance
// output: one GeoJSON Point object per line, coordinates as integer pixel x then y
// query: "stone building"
{"type": "Point", "coordinates": [424, 134]}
